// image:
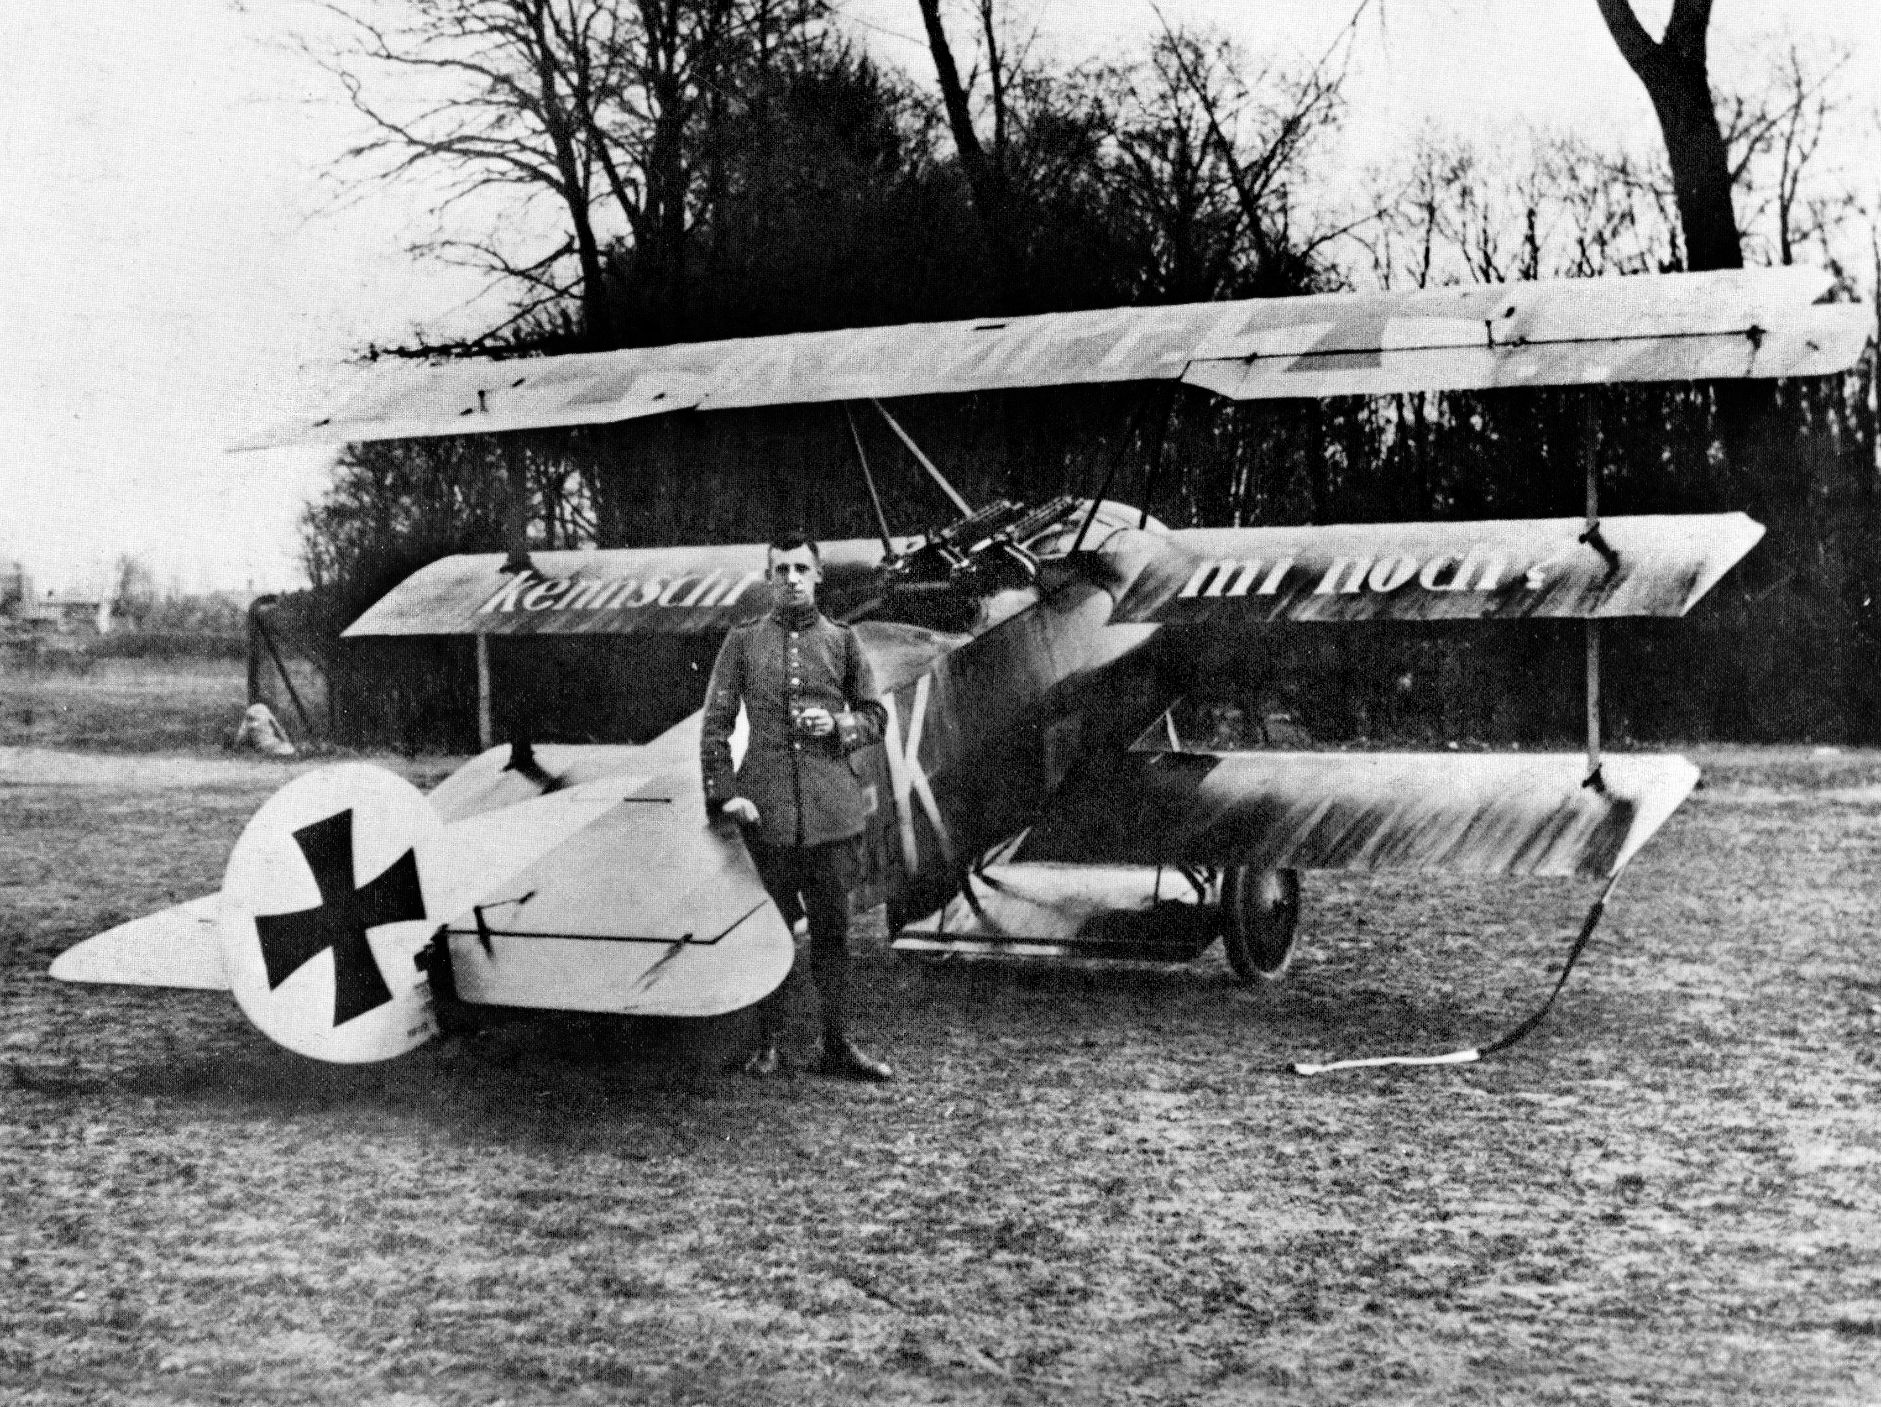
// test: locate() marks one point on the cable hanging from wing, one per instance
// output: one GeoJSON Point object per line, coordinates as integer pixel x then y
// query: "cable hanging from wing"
{"type": "Point", "coordinates": [1502, 1042]}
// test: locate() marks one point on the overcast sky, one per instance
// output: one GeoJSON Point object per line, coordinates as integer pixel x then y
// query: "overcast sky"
{"type": "Point", "coordinates": [177, 270]}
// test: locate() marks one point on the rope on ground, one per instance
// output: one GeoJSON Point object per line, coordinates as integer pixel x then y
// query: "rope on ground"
{"type": "Point", "coordinates": [1503, 1042]}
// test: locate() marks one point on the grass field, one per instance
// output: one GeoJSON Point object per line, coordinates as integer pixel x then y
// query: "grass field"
{"type": "Point", "coordinates": [124, 705]}
{"type": "Point", "coordinates": [1085, 1188]}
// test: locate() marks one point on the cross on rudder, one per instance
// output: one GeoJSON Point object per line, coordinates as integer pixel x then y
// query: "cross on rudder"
{"type": "Point", "coordinates": [340, 921]}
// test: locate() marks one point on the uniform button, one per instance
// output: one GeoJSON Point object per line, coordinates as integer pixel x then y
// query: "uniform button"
{"type": "Point", "coordinates": [795, 680]}
{"type": "Point", "coordinates": [793, 635]}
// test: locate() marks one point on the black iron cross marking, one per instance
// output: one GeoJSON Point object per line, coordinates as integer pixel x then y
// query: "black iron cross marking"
{"type": "Point", "coordinates": [288, 941]}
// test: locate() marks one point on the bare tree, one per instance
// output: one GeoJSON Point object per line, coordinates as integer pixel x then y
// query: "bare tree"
{"type": "Point", "coordinates": [1555, 208]}
{"type": "Point", "coordinates": [1311, 102]}
{"type": "Point", "coordinates": [493, 96]}
{"type": "Point", "coordinates": [595, 105]}
{"type": "Point", "coordinates": [1211, 155]}
{"type": "Point", "coordinates": [133, 590]}
{"type": "Point", "coordinates": [1675, 73]}
{"type": "Point", "coordinates": [1175, 187]}
{"type": "Point", "coordinates": [1776, 137]}
{"type": "Point", "coordinates": [985, 165]}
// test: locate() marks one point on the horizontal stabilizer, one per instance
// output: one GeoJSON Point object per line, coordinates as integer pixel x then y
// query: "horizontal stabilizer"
{"type": "Point", "coordinates": [471, 857]}
{"type": "Point", "coordinates": [1500, 570]}
{"type": "Point", "coordinates": [180, 947]}
{"type": "Point", "coordinates": [175, 947]}
{"type": "Point", "coordinates": [1476, 813]}
{"type": "Point", "coordinates": [647, 911]}
{"type": "Point", "coordinates": [489, 781]}
{"type": "Point", "coordinates": [1728, 323]}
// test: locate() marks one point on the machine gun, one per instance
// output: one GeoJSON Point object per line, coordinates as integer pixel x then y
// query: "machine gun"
{"type": "Point", "coordinates": [941, 582]}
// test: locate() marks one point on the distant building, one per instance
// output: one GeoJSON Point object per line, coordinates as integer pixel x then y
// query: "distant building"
{"type": "Point", "coordinates": [66, 614]}
{"type": "Point", "coordinates": [55, 613]}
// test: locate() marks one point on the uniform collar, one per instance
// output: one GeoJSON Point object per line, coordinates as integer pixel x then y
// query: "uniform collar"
{"type": "Point", "coordinates": [796, 617]}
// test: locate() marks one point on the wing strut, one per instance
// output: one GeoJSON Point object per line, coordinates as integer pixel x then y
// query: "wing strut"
{"type": "Point", "coordinates": [1116, 460]}
{"type": "Point", "coordinates": [1090, 515]}
{"type": "Point", "coordinates": [486, 707]}
{"type": "Point", "coordinates": [933, 470]}
{"type": "Point", "coordinates": [868, 477]}
{"type": "Point", "coordinates": [515, 504]}
{"type": "Point", "coordinates": [1590, 465]}
{"type": "Point", "coordinates": [1153, 473]}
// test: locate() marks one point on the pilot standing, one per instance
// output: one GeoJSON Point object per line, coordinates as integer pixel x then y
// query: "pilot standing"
{"type": "Point", "coordinates": [810, 702]}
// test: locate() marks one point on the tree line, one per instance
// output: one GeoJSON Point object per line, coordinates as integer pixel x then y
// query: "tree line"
{"type": "Point", "coordinates": [637, 172]}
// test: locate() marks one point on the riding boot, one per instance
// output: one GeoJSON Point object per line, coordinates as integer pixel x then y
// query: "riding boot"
{"type": "Point", "coordinates": [847, 1061]}
{"type": "Point", "coordinates": [829, 972]}
{"type": "Point", "coordinates": [764, 1061]}
{"type": "Point", "coordinates": [841, 1057]}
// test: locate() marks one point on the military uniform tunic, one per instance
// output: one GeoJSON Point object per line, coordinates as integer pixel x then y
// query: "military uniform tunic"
{"type": "Point", "coordinates": [806, 789]}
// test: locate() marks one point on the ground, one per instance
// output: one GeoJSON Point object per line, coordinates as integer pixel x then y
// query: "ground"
{"type": "Point", "coordinates": [1084, 1188]}
{"type": "Point", "coordinates": [124, 705]}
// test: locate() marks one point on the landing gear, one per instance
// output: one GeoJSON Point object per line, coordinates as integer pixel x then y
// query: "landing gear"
{"type": "Point", "coordinates": [1260, 918]}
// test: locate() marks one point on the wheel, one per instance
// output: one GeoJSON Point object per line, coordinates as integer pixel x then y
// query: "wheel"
{"type": "Point", "coordinates": [1260, 911]}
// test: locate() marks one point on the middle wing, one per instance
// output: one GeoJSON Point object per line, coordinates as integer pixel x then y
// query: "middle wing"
{"type": "Point", "coordinates": [1478, 813]}
{"type": "Point", "coordinates": [614, 591]}
{"type": "Point", "coordinates": [1637, 566]}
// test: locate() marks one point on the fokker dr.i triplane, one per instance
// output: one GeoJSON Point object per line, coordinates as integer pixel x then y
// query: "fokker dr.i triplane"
{"type": "Point", "coordinates": [1028, 798]}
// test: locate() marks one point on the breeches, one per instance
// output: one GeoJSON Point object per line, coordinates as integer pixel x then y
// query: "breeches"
{"type": "Point", "coordinates": [814, 880]}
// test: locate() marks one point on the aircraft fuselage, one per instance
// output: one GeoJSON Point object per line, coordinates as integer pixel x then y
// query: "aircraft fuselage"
{"type": "Point", "coordinates": [980, 735]}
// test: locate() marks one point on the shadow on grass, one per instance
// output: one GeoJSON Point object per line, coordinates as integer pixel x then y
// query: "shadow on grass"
{"type": "Point", "coordinates": [523, 1077]}
{"type": "Point", "coordinates": [1202, 1004]}
{"type": "Point", "coordinates": [649, 1087]}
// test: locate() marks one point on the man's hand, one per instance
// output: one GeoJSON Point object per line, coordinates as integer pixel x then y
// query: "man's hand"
{"type": "Point", "coordinates": [742, 810]}
{"type": "Point", "coordinates": [816, 721]}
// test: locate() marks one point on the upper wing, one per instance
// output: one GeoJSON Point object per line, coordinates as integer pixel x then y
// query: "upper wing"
{"type": "Point", "coordinates": [1561, 332]}
{"type": "Point", "coordinates": [1508, 814]}
{"type": "Point", "coordinates": [1654, 566]}
{"type": "Point", "coordinates": [1735, 323]}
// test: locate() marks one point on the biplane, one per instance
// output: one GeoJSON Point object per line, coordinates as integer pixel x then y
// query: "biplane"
{"type": "Point", "coordinates": [1031, 798]}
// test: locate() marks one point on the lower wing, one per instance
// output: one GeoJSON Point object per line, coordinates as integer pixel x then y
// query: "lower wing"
{"type": "Point", "coordinates": [1477, 813]}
